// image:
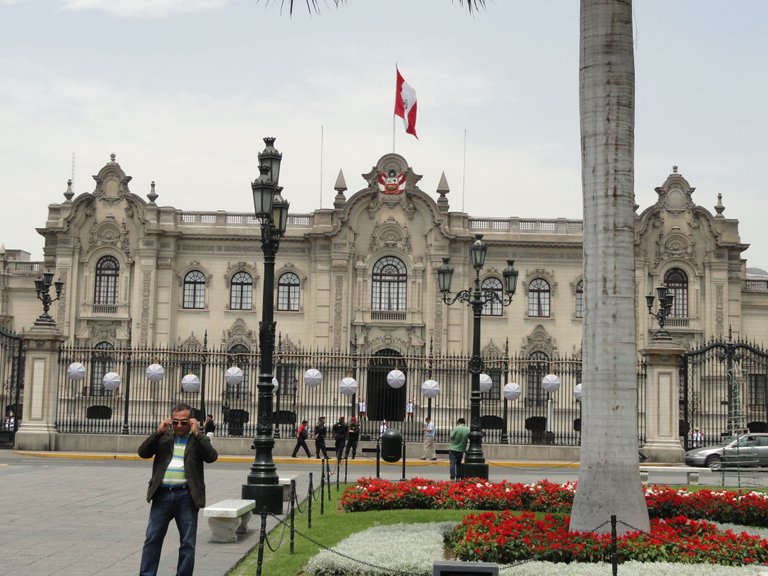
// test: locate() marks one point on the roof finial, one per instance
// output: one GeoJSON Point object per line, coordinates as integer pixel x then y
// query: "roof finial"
{"type": "Point", "coordinates": [69, 193]}
{"type": "Point", "coordinates": [719, 208]}
{"type": "Point", "coordinates": [152, 194]}
{"type": "Point", "coordinates": [340, 187]}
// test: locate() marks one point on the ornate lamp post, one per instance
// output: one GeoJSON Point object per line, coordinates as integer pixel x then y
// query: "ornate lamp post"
{"type": "Point", "coordinates": [476, 298]}
{"type": "Point", "coordinates": [665, 309]}
{"type": "Point", "coordinates": [272, 211]}
{"type": "Point", "coordinates": [42, 287]}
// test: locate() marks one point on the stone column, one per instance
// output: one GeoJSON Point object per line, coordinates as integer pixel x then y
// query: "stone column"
{"type": "Point", "coordinates": [41, 368]}
{"type": "Point", "coordinates": [662, 403]}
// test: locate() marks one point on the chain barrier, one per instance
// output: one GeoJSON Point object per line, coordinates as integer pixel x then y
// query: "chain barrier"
{"type": "Point", "coordinates": [282, 537]}
{"type": "Point", "coordinates": [297, 504]}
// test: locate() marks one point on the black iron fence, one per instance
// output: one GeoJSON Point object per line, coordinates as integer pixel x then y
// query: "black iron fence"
{"type": "Point", "coordinates": [12, 379]}
{"type": "Point", "coordinates": [723, 391]}
{"type": "Point", "coordinates": [139, 403]}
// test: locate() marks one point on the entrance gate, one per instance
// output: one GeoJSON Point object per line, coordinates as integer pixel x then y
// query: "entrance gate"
{"type": "Point", "coordinates": [723, 391]}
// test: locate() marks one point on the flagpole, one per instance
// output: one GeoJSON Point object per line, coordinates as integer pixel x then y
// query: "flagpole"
{"type": "Point", "coordinates": [393, 115]}
{"type": "Point", "coordinates": [393, 133]}
{"type": "Point", "coordinates": [321, 166]}
{"type": "Point", "coordinates": [464, 171]}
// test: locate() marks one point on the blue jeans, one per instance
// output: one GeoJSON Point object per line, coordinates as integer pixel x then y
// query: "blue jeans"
{"type": "Point", "coordinates": [455, 460]}
{"type": "Point", "coordinates": [168, 505]}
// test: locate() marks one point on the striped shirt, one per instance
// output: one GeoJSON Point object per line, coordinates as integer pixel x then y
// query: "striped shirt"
{"type": "Point", "coordinates": [174, 474]}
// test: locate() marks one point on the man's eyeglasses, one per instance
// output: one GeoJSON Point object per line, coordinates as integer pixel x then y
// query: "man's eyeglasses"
{"type": "Point", "coordinates": [179, 422]}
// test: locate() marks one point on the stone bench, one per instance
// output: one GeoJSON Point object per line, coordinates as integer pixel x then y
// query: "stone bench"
{"type": "Point", "coordinates": [228, 518]}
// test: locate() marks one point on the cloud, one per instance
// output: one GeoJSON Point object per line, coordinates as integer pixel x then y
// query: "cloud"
{"type": "Point", "coordinates": [143, 8]}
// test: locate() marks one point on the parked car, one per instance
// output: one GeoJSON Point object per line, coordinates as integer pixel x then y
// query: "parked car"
{"type": "Point", "coordinates": [743, 450]}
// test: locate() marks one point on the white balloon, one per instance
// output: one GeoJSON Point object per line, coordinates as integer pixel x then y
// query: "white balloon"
{"type": "Point", "coordinates": [155, 372]}
{"type": "Point", "coordinates": [233, 376]}
{"type": "Point", "coordinates": [550, 383]}
{"type": "Point", "coordinates": [111, 381]}
{"type": "Point", "coordinates": [396, 379]}
{"type": "Point", "coordinates": [430, 388]}
{"type": "Point", "coordinates": [578, 392]}
{"type": "Point", "coordinates": [313, 377]}
{"type": "Point", "coordinates": [190, 383]}
{"type": "Point", "coordinates": [512, 391]}
{"type": "Point", "coordinates": [486, 382]}
{"type": "Point", "coordinates": [76, 371]}
{"type": "Point", "coordinates": [348, 386]}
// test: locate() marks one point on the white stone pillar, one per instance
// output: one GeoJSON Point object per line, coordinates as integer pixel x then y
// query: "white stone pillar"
{"type": "Point", "coordinates": [38, 424]}
{"type": "Point", "coordinates": [662, 402]}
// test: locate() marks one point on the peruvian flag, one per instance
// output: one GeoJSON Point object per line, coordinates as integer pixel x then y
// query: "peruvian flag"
{"type": "Point", "coordinates": [405, 104]}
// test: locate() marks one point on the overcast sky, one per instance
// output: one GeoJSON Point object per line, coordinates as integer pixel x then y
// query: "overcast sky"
{"type": "Point", "coordinates": [182, 91]}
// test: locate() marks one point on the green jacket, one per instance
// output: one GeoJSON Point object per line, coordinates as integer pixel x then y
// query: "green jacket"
{"type": "Point", "coordinates": [459, 437]}
{"type": "Point", "coordinates": [199, 450]}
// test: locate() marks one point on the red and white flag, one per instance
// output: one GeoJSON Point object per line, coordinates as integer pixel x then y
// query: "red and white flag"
{"type": "Point", "coordinates": [405, 104]}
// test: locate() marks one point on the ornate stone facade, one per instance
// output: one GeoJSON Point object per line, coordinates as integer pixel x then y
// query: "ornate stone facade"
{"type": "Point", "coordinates": [366, 270]}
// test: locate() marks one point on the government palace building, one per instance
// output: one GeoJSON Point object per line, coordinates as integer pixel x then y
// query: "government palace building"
{"type": "Point", "coordinates": [363, 275]}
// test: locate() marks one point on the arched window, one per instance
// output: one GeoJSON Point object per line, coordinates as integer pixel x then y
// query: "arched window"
{"type": "Point", "coordinates": [538, 367]}
{"type": "Point", "coordinates": [288, 288]}
{"type": "Point", "coordinates": [194, 290]}
{"type": "Point", "coordinates": [580, 299]}
{"type": "Point", "coordinates": [238, 356]}
{"type": "Point", "coordinates": [538, 298]}
{"type": "Point", "coordinates": [101, 363]}
{"type": "Point", "coordinates": [676, 282]}
{"type": "Point", "coordinates": [492, 307]}
{"type": "Point", "coordinates": [389, 285]}
{"type": "Point", "coordinates": [107, 276]}
{"type": "Point", "coordinates": [241, 292]}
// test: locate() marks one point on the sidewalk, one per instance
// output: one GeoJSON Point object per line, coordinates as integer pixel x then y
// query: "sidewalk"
{"type": "Point", "coordinates": [87, 517]}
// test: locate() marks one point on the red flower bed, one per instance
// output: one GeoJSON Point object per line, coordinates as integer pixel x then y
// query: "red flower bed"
{"type": "Point", "coordinates": [739, 507]}
{"type": "Point", "coordinates": [507, 537]}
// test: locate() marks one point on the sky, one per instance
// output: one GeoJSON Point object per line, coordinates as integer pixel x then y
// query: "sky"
{"type": "Point", "coordinates": [183, 91]}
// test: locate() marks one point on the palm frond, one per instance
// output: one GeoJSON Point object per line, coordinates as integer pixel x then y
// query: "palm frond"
{"type": "Point", "coordinates": [314, 5]}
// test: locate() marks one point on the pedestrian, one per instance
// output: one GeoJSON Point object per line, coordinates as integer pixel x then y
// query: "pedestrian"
{"type": "Point", "coordinates": [361, 409]}
{"type": "Point", "coordinates": [459, 437]}
{"type": "Point", "coordinates": [353, 435]}
{"type": "Point", "coordinates": [429, 439]}
{"type": "Point", "coordinates": [301, 439]}
{"type": "Point", "coordinates": [319, 436]}
{"type": "Point", "coordinates": [209, 426]}
{"type": "Point", "coordinates": [177, 487]}
{"type": "Point", "coordinates": [697, 439]}
{"type": "Point", "coordinates": [340, 431]}
{"type": "Point", "coordinates": [409, 410]}
{"type": "Point", "coordinates": [383, 428]}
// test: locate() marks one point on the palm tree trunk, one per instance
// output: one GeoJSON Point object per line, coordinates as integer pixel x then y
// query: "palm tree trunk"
{"type": "Point", "coordinates": [609, 479]}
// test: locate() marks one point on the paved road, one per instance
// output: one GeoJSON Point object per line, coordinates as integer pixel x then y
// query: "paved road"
{"type": "Point", "coordinates": [83, 514]}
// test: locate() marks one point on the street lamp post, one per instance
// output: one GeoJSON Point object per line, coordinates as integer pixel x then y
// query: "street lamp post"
{"type": "Point", "coordinates": [42, 288]}
{"type": "Point", "coordinates": [476, 298]}
{"type": "Point", "coordinates": [272, 211]}
{"type": "Point", "coordinates": [664, 311]}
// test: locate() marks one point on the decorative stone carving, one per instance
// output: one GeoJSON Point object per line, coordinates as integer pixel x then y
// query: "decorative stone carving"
{"type": "Point", "coordinates": [235, 267]}
{"type": "Point", "coordinates": [239, 334]}
{"type": "Point", "coordinates": [146, 293]}
{"type": "Point", "coordinates": [191, 343]}
{"type": "Point", "coordinates": [390, 235]}
{"type": "Point", "coordinates": [338, 310]}
{"type": "Point", "coordinates": [539, 340]}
